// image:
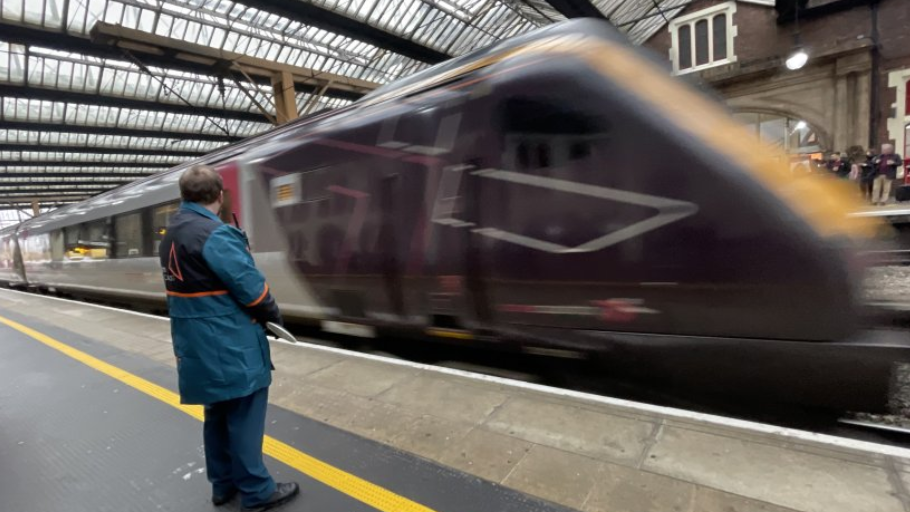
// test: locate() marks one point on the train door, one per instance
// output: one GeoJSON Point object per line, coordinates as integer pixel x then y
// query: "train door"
{"type": "Point", "coordinates": [18, 264]}
{"type": "Point", "coordinates": [232, 210]}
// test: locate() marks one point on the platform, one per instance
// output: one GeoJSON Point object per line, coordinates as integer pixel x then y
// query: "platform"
{"type": "Point", "coordinates": [90, 422]}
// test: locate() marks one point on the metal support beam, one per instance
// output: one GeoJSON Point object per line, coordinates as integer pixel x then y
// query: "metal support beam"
{"type": "Point", "coordinates": [35, 210]}
{"type": "Point", "coordinates": [113, 101]}
{"type": "Point", "coordinates": [40, 188]}
{"type": "Point", "coordinates": [255, 101]}
{"type": "Point", "coordinates": [5, 184]}
{"type": "Point", "coordinates": [285, 98]}
{"type": "Point", "coordinates": [99, 164]}
{"type": "Point", "coordinates": [313, 100]}
{"type": "Point", "coordinates": [15, 205]}
{"type": "Point", "coordinates": [100, 151]}
{"type": "Point", "coordinates": [74, 44]}
{"type": "Point", "coordinates": [311, 14]}
{"type": "Point", "coordinates": [50, 195]}
{"type": "Point", "coordinates": [78, 177]}
{"type": "Point", "coordinates": [577, 8]}
{"type": "Point", "coordinates": [22, 194]}
{"type": "Point", "coordinates": [108, 130]}
{"type": "Point", "coordinates": [137, 41]}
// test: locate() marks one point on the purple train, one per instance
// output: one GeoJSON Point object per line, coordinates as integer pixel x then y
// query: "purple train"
{"type": "Point", "coordinates": [555, 194]}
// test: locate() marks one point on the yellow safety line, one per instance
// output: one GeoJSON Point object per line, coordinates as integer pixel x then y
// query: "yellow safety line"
{"type": "Point", "coordinates": [361, 490]}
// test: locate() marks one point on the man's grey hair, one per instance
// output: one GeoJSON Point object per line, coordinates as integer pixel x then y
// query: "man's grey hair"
{"type": "Point", "coordinates": [200, 184]}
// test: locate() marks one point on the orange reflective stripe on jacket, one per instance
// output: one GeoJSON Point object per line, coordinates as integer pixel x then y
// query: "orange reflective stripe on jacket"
{"type": "Point", "coordinates": [197, 294]}
{"type": "Point", "coordinates": [265, 291]}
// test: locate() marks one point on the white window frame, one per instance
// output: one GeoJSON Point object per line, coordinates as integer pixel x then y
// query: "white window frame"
{"type": "Point", "coordinates": [728, 8]}
{"type": "Point", "coordinates": [899, 80]}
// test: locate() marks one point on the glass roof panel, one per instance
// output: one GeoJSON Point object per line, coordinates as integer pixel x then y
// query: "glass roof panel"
{"type": "Point", "coordinates": [62, 156]}
{"type": "Point", "coordinates": [451, 27]}
{"type": "Point", "coordinates": [50, 138]}
{"type": "Point", "coordinates": [100, 171]}
{"type": "Point", "coordinates": [31, 110]}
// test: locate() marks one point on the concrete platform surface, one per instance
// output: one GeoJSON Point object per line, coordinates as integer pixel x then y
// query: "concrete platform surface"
{"type": "Point", "coordinates": [583, 452]}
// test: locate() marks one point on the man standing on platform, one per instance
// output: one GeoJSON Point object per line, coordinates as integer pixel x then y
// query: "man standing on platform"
{"type": "Point", "coordinates": [219, 305]}
{"type": "Point", "coordinates": [885, 166]}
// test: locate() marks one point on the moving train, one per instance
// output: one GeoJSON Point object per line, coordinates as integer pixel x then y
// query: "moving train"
{"type": "Point", "coordinates": [557, 194]}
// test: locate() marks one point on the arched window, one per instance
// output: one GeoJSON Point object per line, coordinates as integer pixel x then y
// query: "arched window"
{"type": "Point", "coordinates": [793, 136]}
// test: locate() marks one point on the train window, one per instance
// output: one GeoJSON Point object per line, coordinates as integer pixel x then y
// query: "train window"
{"type": "Point", "coordinates": [72, 249]}
{"type": "Point", "coordinates": [543, 155]}
{"type": "Point", "coordinates": [57, 245]}
{"type": "Point", "coordinates": [94, 240]}
{"type": "Point", "coordinates": [37, 248]}
{"type": "Point", "coordinates": [128, 236]}
{"type": "Point", "coordinates": [161, 217]}
{"type": "Point", "coordinates": [314, 185]}
{"type": "Point", "coordinates": [540, 135]}
{"type": "Point", "coordinates": [579, 151]}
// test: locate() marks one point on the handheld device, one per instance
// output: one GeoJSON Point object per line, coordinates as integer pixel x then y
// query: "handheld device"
{"type": "Point", "coordinates": [281, 332]}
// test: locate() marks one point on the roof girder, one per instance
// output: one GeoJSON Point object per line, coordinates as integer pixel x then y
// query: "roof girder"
{"type": "Point", "coordinates": [310, 14]}
{"type": "Point", "coordinates": [114, 101]}
{"type": "Point", "coordinates": [109, 130]}
{"type": "Point", "coordinates": [46, 163]}
{"type": "Point", "coordinates": [29, 36]}
{"type": "Point", "coordinates": [95, 150]}
{"type": "Point", "coordinates": [577, 9]}
{"type": "Point", "coordinates": [127, 176]}
{"type": "Point", "coordinates": [152, 44]}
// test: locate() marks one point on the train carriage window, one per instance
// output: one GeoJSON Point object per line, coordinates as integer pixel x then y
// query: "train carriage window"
{"type": "Point", "coordinates": [93, 241]}
{"type": "Point", "coordinates": [57, 245]}
{"type": "Point", "coordinates": [5, 253]}
{"type": "Point", "coordinates": [128, 241]}
{"type": "Point", "coordinates": [161, 217]}
{"type": "Point", "coordinates": [72, 250]}
{"type": "Point", "coordinates": [540, 136]}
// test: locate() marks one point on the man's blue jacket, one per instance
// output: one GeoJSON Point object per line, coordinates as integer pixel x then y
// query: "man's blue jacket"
{"type": "Point", "coordinates": [218, 303]}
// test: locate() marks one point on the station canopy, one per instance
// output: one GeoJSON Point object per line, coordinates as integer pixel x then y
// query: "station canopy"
{"type": "Point", "coordinates": [96, 93]}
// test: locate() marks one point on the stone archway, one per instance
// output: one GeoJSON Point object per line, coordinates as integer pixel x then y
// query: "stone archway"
{"type": "Point", "coordinates": [833, 94]}
{"type": "Point", "coordinates": [825, 139]}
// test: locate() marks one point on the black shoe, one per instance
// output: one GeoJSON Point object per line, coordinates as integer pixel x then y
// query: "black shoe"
{"type": "Point", "coordinates": [283, 493]}
{"type": "Point", "coordinates": [224, 498]}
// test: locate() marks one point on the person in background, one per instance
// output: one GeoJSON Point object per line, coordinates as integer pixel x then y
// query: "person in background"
{"type": "Point", "coordinates": [219, 305]}
{"type": "Point", "coordinates": [864, 172]}
{"type": "Point", "coordinates": [885, 168]}
{"type": "Point", "coordinates": [838, 166]}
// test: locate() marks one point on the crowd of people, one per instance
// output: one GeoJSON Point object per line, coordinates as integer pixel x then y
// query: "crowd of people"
{"type": "Point", "coordinates": [874, 172]}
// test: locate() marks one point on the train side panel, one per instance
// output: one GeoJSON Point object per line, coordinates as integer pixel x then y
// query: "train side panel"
{"type": "Point", "coordinates": [501, 206]}
{"type": "Point", "coordinates": [12, 272]}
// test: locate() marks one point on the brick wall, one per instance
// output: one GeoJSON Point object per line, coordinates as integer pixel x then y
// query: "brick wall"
{"type": "Point", "coordinates": [760, 39]}
{"type": "Point", "coordinates": [894, 39]}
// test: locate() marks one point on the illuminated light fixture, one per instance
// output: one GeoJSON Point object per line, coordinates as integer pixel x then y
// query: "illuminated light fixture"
{"type": "Point", "coordinates": [797, 59]}
{"type": "Point", "coordinates": [801, 125]}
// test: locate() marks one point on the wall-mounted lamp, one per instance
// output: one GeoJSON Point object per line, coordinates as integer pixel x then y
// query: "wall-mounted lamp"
{"type": "Point", "coordinates": [797, 58]}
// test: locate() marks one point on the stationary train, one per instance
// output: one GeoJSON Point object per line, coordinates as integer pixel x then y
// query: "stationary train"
{"type": "Point", "coordinates": [558, 193]}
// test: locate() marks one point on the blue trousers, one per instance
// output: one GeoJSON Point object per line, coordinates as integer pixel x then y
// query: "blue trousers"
{"type": "Point", "coordinates": [233, 448]}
